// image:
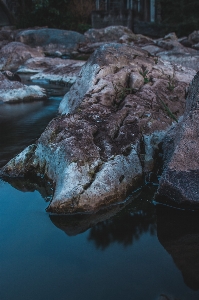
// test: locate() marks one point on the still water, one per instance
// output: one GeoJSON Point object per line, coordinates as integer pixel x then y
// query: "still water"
{"type": "Point", "coordinates": [134, 250]}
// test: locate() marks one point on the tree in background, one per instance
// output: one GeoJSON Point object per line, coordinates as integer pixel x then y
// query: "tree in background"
{"type": "Point", "coordinates": [181, 16]}
{"type": "Point", "coordinates": [64, 14]}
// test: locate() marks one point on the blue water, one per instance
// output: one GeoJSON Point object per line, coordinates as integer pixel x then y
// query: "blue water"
{"type": "Point", "coordinates": [39, 261]}
{"type": "Point", "coordinates": [130, 251]}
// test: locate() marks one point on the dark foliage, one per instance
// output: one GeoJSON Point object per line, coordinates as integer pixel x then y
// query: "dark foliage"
{"type": "Point", "coordinates": [51, 13]}
{"type": "Point", "coordinates": [181, 16]}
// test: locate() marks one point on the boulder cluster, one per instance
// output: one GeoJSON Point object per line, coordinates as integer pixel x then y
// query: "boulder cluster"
{"type": "Point", "coordinates": [127, 105]}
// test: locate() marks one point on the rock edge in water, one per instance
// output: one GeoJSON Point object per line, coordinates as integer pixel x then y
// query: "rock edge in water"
{"type": "Point", "coordinates": [113, 119]}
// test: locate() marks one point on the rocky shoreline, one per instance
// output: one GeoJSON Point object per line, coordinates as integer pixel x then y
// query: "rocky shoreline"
{"type": "Point", "coordinates": [113, 120]}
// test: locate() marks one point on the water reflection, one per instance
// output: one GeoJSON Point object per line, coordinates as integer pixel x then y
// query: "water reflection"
{"type": "Point", "coordinates": [121, 223]}
{"type": "Point", "coordinates": [178, 232]}
{"type": "Point", "coordinates": [22, 123]}
{"type": "Point", "coordinates": [31, 184]}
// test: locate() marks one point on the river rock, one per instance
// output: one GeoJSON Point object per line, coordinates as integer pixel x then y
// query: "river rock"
{"type": "Point", "coordinates": [194, 37]}
{"type": "Point", "coordinates": [99, 37]}
{"type": "Point", "coordinates": [169, 48]}
{"type": "Point", "coordinates": [109, 130]}
{"type": "Point", "coordinates": [15, 91]}
{"type": "Point", "coordinates": [179, 182]}
{"type": "Point", "coordinates": [52, 40]}
{"type": "Point", "coordinates": [39, 64]}
{"type": "Point", "coordinates": [15, 54]}
{"type": "Point", "coordinates": [108, 34]}
{"type": "Point", "coordinates": [65, 73]}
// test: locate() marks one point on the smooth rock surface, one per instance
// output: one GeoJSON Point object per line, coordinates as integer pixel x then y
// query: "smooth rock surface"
{"type": "Point", "coordinates": [51, 40]}
{"type": "Point", "coordinates": [109, 130]}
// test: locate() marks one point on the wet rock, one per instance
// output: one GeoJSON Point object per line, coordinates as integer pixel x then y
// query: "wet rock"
{"type": "Point", "coordinates": [15, 91]}
{"type": "Point", "coordinates": [179, 182]}
{"type": "Point", "coordinates": [107, 135]}
{"type": "Point", "coordinates": [15, 54]}
{"type": "Point", "coordinates": [65, 73]}
{"type": "Point", "coordinates": [51, 40]}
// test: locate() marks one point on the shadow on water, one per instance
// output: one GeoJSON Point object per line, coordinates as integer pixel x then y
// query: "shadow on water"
{"type": "Point", "coordinates": [178, 232]}
{"type": "Point", "coordinates": [122, 223]}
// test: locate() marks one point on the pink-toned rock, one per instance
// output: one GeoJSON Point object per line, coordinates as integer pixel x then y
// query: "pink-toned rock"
{"type": "Point", "coordinates": [109, 130]}
{"type": "Point", "coordinates": [179, 182]}
{"type": "Point", "coordinates": [15, 54]}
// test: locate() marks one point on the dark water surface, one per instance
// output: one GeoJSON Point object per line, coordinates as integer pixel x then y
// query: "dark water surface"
{"type": "Point", "coordinates": [130, 251]}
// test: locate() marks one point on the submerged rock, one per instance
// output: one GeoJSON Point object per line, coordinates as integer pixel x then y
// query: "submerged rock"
{"type": "Point", "coordinates": [179, 182]}
{"type": "Point", "coordinates": [15, 91]}
{"type": "Point", "coordinates": [113, 119]}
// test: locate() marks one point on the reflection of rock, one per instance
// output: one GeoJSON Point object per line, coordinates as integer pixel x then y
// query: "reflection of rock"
{"type": "Point", "coordinates": [78, 223]}
{"type": "Point", "coordinates": [120, 223]}
{"type": "Point", "coordinates": [44, 187]}
{"type": "Point", "coordinates": [178, 232]}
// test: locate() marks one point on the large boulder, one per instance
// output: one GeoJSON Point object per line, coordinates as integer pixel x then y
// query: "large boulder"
{"type": "Point", "coordinates": [179, 183]}
{"type": "Point", "coordinates": [15, 91]}
{"type": "Point", "coordinates": [52, 40]}
{"type": "Point", "coordinates": [15, 54]}
{"type": "Point", "coordinates": [113, 119]}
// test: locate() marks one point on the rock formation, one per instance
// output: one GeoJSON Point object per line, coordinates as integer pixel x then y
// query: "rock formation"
{"type": "Point", "coordinates": [179, 182]}
{"type": "Point", "coordinates": [112, 121]}
{"type": "Point", "coordinates": [51, 40]}
{"type": "Point", "coordinates": [15, 91]}
{"type": "Point", "coordinates": [15, 54]}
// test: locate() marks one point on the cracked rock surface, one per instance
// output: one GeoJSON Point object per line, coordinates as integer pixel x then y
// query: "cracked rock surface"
{"type": "Point", "coordinates": [179, 182]}
{"type": "Point", "coordinates": [112, 121]}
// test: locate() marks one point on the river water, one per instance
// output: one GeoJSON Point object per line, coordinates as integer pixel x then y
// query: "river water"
{"type": "Point", "coordinates": [134, 250]}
